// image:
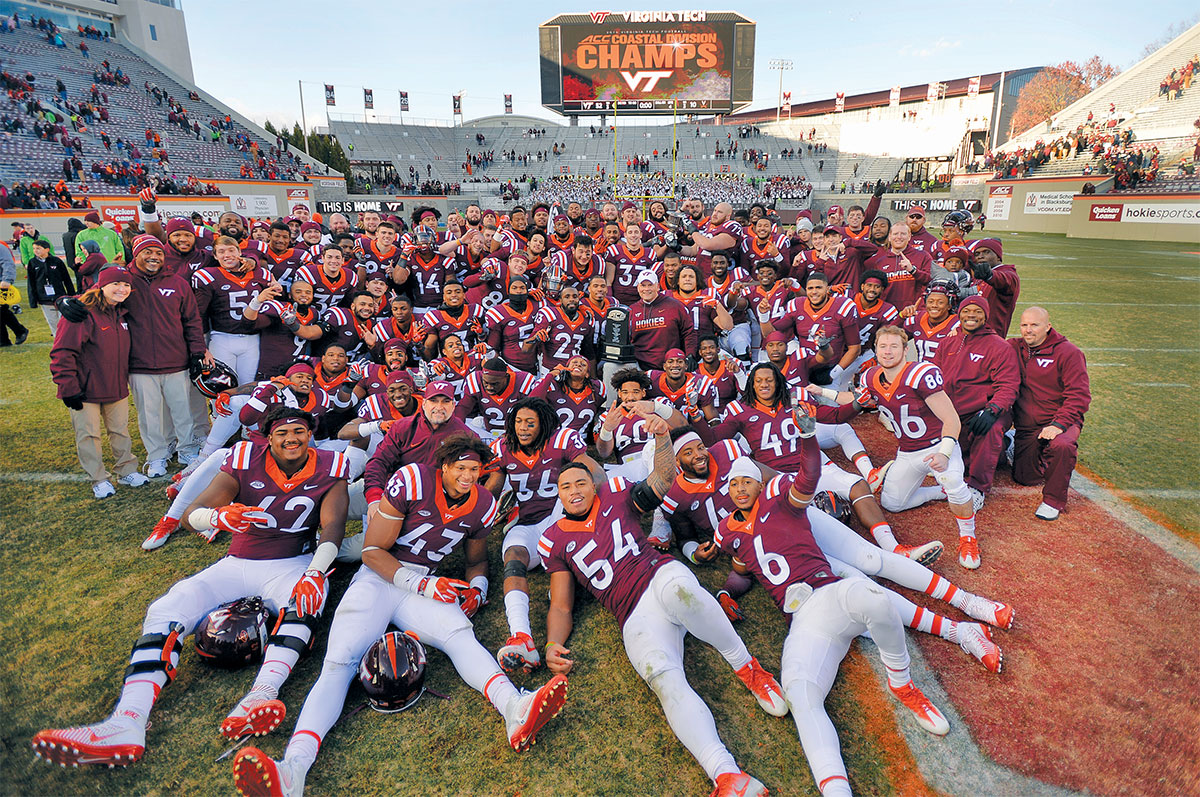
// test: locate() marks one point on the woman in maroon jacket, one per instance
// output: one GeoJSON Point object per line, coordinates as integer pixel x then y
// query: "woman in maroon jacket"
{"type": "Point", "coordinates": [90, 364]}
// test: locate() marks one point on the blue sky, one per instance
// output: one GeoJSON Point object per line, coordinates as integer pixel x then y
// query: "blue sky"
{"type": "Point", "coordinates": [437, 49]}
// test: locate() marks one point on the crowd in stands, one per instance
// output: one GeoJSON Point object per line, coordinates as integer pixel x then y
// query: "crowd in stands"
{"type": "Point", "coordinates": [785, 188]}
{"type": "Point", "coordinates": [711, 188]}
{"type": "Point", "coordinates": [1022, 160]}
{"type": "Point", "coordinates": [1179, 80]}
{"type": "Point", "coordinates": [34, 195]}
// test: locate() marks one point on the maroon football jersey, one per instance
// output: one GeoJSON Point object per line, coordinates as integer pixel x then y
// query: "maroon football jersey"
{"type": "Point", "coordinates": [705, 503]}
{"type": "Point", "coordinates": [926, 336]}
{"type": "Point", "coordinates": [284, 265]}
{"type": "Point", "coordinates": [627, 265]}
{"type": "Point", "coordinates": [277, 346]}
{"type": "Point", "coordinates": [444, 322]}
{"type": "Point", "coordinates": [476, 401]}
{"type": "Point", "coordinates": [722, 384]}
{"type": "Point", "coordinates": [222, 297]}
{"type": "Point", "coordinates": [508, 329]}
{"type": "Point", "coordinates": [573, 273]}
{"type": "Point", "coordinates": [374, 260]}
{"type": "Point", "coordinates": [702, 307]}
{"type": "Point", "coordinates": [293, 504]}
{"type": "Point", "coordinates": [534, 477]}
{"type": "Point", "coordinates": [575, 410]}
{"type": "Point", "coordinates": [704, 257]}
{"type": "Point", "coordinates": [567, 338]}
{"type": "Point", "coordinates": [775, 543]}
{"type": "Point", "coordinates": [566, 244]}
{"type": "Point", "coordinates": [347, 329]}
{"type": "Point", "coordinates": [432, 529]}
{"type": "Point", "coordinates": [752, 252]}
{"type": "Point", "coordinates": [837, 318]}
{"type": "Point", "coordinates": [721, 289]}
{"type": "Point", "coordinates": [630, 436]}
{"type": "Point", "coordinates": [677, 397]}
{"type": "Point", "coordinates": [903, 403]}
{"type": "Point", "coordinates": [445, 370]}
{"type": "Point", "coordinates": [605, 551]}
{"type": "Point", "coordinates": [871, 318]}
{"type": "Point", "coordinates": [427, 274]}
{"type": "Point", "coordinates": [328, 292]}
{"type": "Point", "coordinates": [796, 367]}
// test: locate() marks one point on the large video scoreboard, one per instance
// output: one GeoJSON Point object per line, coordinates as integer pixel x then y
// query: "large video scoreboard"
{"type": "Point", "coordinates": [647, 62]}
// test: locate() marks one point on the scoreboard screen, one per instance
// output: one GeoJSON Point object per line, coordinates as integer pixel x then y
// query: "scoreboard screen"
{"type": "Point", "coordinates": [647, 62]}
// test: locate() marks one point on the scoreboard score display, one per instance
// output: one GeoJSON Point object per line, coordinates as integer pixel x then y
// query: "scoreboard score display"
{"type": "Point", "coordinates": [647, 62]}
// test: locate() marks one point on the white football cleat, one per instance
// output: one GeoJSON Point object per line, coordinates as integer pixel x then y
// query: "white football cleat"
{"type": "Point", "coordinates": [764, 687]}
{"type": "Point", "coordinates": [115, 742]}
{"type": "Point", "coordinates": [256, 774]}
{"type": "Point", "coordinates": [977, 498]}
{"type": "Point", "coordinates": [533, 710]}
{"type": "Point", "coordinates": [1046, 512]}
{"type": "Point", "coordinates": [519, 654]}
{"type": "Point", "coordinates": [163, 529]}
{"type": "Point", "coordinates": [660, 531]}
{"type": "Point", "coordinates": [992, 612]}
{"type": "Point", "coordinates": [922, 708]}
{"type": "Point", "coordinates": [104, 489]}
{"type": "Point", "coordinates": [925, 554]}
{"type": "Point", "coordinates": [976, 639]}
{"type": "Point", "coordinates": [256, 714]}
{"type": "Point", "coordinates": [135, 479]}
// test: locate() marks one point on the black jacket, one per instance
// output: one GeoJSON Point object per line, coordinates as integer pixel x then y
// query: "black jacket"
{"type": "Point", "coordinates": [74, 227]}
{"type": "Point", "coordinates": [48, 280]}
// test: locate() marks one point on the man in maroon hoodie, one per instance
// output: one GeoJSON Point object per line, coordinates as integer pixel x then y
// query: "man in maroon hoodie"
{"type": "Point", "coordinates": [982, 379]}
{"type": "Point", "coordinates": [1048, 413]}
{"type": "Point", "coordinates": [922, 238]}
{"type": "Point", "coordinates": [166, 347]}
{"type": "Point", "coordinates": [1001, 285]}
{"type": "Point", "coordinates": [658, 323]}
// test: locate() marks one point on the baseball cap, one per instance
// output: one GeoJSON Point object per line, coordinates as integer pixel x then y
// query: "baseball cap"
{"type": "Point", "coordinates": [647, 276]}
{"type": "Point", "coordinates": [443, 389]}
{"type": "Point", "coordinates": [673, 354]}
{"type": "Point", "coordinates": [917, 210]}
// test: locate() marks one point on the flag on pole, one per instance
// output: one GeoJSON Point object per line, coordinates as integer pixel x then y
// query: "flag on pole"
{"type": "Point", "coordinates": [368, 99]}
{"type": "Point", "coordinates": [931, 92]}
{"type": "Point", "coordinates": [973, 87]}
{"type": "Point", "coordinates": [458, 103]}
{"type": "Point", "coordinates": [839, 102]}
{"type": "Point", "coordinates": [329, 100]}
{"type": "Point", "coordinates": [894, 97]}
{"type": "Point", "coordinates": [508, 103]}
{"type": "Point", "coordinates": [404, 101]}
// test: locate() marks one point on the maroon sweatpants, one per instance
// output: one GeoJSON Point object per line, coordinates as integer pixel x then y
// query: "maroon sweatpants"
{"type": "Point", "coordinates": [1050, 461]}
{"type": "Point", "coordinates": [982, 452]}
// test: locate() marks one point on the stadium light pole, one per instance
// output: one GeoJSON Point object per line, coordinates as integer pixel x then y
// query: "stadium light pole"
{"type": "Point", "coordinates": [303, 122]}
{"type": "Point", "coordinates": [783, 65]}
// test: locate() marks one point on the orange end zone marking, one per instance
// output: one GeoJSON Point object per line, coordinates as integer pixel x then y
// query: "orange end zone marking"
{"type": "Point", "coordinates": [1149, 512]}
{"type": "Point", "coordinates": [880, 726]}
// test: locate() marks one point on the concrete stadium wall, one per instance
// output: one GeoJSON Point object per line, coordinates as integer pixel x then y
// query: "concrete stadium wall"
{"type": "Point", "coordinates": [1136, 217]}
{"type": "Point", "coordinates": [895, 206]}
{"type": "Point", "coordinates": [1036, 204]}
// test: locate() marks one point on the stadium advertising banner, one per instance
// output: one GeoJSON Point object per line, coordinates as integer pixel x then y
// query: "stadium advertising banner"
{"type": "Point", "coordinates": [1049, 202]}
{"type": "Point", "coordinates": [1145, 212]}
{"type": "Point", "coordinates": [254, 205]}
{"type": "Point", "coordinates": [389, 206]}
{"type": "Point", "coordinates": [938, 205]}
{"type": "Point", "coordinates": [647, 62]}
{"type": "Point", "coordinates": [999, 202]}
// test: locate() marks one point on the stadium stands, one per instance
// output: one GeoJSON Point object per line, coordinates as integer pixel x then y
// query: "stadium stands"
{"type": "Point", "coordinates": [131, 110]}
{"type": "Point", "coordinates": [1132, 101]}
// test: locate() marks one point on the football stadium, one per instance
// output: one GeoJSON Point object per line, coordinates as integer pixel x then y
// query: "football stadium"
{"type": "Point", "coordinates": [665, 401]}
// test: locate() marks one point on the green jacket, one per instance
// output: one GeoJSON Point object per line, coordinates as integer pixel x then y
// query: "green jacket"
{"type": "Point", "coordinates": [27, 246]}
{"type": "Point", "coordinates": [111, 245]}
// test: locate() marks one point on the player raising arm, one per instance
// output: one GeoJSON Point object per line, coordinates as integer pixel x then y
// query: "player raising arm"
{"type": "Point", "coordinates": [655, 598]}
{"type": "Point", "coordinates": [425, 514]}
{"type": "Point", "coordinates": [273, 496]}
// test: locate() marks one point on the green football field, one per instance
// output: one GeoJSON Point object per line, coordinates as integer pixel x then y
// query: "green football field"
{"type": "Point", "coordinates": [75, 586]}
{"type": "Point", "coordinates": [1134, 309]}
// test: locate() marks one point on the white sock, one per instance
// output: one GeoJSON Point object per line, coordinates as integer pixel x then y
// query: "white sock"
{"type": "Point", "coordinates": [516, 609]}
{"type": "Point", "coordinates": [302, 749]}
{"type": "Point", "coordinates": [882, 532]}
{"type": "Point", "coordinates": [863, 463]}
{"type": "Point", "coordinates": [966, 525]}
{"type": "Point", "coordinates": [137, 698]}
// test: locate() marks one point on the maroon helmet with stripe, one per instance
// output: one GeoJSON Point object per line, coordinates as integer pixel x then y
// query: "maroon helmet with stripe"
{"type": "Point", "coordinates": [234, 634]}
{"type": "Point", "coordinates": [392, 672]}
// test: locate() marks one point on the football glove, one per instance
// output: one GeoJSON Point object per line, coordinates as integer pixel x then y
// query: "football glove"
{"type": "Point", "coordinates": [310, 592]}
{"type": "Point", "coordinates": [805, 423]}
{"type": "Point", "coordinates": [148, 199]}
{"type": "Point", "coordinates": [237, 518]}
{"type": "Point", "coordinates": [543, 335]}
{"type": "Point", "coordinates": [441, 589]}
{"type": "Point", "coordinates": [471, 601]}
{"type": "Point", "coordinates": [730, 607]}
{"type": "Point", "coordinates": [221, 405]}
{"type": "Point", "coordinates": [863, 400]}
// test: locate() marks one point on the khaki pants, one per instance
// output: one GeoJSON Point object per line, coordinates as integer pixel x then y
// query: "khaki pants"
{"type": "Point", "coordinates": [115, 417]}
{"type": "Point", "coordinates": [164, 410]}
{"type": "Point", "coordinates": [51, 315]}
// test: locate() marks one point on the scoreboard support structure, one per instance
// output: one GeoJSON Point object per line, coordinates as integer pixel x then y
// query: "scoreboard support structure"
{"type": "Point", "coordinates": [646, 198]}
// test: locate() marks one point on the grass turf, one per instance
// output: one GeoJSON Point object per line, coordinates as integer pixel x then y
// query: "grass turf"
{"type": "Point", "coordinates": [1134, 308]}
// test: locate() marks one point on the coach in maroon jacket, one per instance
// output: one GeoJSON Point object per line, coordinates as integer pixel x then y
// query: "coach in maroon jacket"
{"type": "Point", "coordinates": [1048, 413]}
{"type": "Point", "coordinates": [413, 439]}
{"type": "Point", "coordinates": [658, 324]}
{"type": "Point", "coordinates": [1000, 283]}
{"type": "Point", "coordinates": [982, 379]}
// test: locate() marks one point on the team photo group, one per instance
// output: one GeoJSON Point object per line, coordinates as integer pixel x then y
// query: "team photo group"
{"type": "Point", "coordinates": [615, 393]}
